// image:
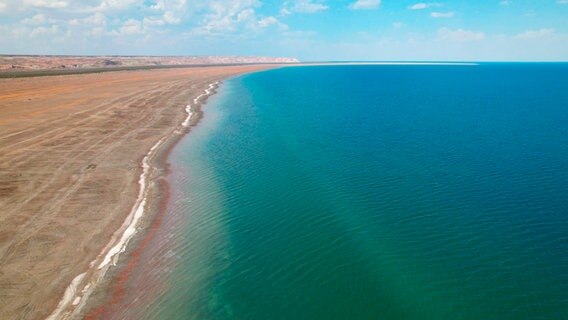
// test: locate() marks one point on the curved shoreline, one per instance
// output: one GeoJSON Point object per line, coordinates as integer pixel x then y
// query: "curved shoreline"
{"type": "Point", "coordinates": [71, 158]}
{"type": "Point", "coordinates": [76, 295]}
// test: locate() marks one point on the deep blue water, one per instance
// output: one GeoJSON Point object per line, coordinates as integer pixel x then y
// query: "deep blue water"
{"type": "Point", "coordinates": [377, 192]}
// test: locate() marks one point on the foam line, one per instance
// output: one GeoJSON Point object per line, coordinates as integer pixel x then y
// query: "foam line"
{"type": "Point", "coordinates": [75, 297]}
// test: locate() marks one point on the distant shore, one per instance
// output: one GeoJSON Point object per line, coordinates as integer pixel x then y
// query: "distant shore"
{"type": "Point", "coordinates": [16, 66]}
{"type": "Point", "coordinates": [76, 172]}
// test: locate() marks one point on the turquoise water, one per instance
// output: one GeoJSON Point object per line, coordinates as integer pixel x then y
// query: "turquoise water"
{"type": "Point", "coordinates": [375, 192]}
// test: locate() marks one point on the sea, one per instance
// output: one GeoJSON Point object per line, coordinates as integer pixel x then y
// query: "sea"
{"type": "Point", "coordinates": [370, 192]}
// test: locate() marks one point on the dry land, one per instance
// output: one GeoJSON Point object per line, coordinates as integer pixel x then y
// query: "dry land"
{"type": "Point", "coordinates": [14, 65]}
{"type": "Point", "coordinates": [71, 149]}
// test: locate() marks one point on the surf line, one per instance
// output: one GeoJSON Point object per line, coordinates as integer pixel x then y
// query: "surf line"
{"type": "Point", "coordinates": [74, 299]}
{"type": "Point", "coordinates": [188, 108]}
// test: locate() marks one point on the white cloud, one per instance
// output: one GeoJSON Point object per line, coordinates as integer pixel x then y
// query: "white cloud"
{"type": "Point", "coordinates": [562, 1]}
{"type": "Point", "coordinates": [442, 14]}
{"type": "Point", "coordinates": [285, 11]}
{"type": "Point", "coordinates": [153, 21]}
{"type": "Point", "coordinates": [158, 5]}
{"type": "Point", "coordinates": [130, 27]}
{"type": "Point", "coordinates": [97, 31]}
{"type": "Point", "coordinates": [170, 18]}
{"type": "Point", "coordinates": [460, 35]}
{"type": "Point", "coordinates": [115, 4]}
{"type": "Point", "coordinates": [36, 20]}
{"type": "Point", "coordinates": [53, 4]}
{"type": "Point", "coordinates": [535, 34]}
{"type": "Point", "coordinates": [267, 22]}
{"type": "Point", "coordinates": [365, 4]}
{"type": "Point", "coordinates": [182, 4]}
{"type": "Point", "coordinates": [302, 6]}
{"type": "Point", "coordinates": [97, 19]}
{"type": "Point", "coordinates": [237, 17]}
{"type": "Point", "coordinates": [418, 6]}
{"type": "Point", "coordinates": [43, 31]}
{"type": "Point", "coordinates": [270, 21]}
{"type": "Point", "coordinates": [172, 11]}
{"type": "Point", "coordinates": [221, 17]}
{"type": "Point", "coordinates": [68, 7]}
{"type": "Point", "coordinates": [505, 2]}
{"type": "Point", "coordinates": [423, 5]}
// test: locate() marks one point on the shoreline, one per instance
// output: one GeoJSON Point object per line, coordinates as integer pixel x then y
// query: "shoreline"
{"type": "Point", "coordinates": [154, 166]}
{"type": "Point", "coordinates": [120, 255]}
{"type": "Point", "coordinates": [111, 294]}
{"type": "Point", "coordinates": [72, 148]}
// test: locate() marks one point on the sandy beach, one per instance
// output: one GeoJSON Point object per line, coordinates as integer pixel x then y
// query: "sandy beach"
{"type": "Point", "coordinates": [82, 159]}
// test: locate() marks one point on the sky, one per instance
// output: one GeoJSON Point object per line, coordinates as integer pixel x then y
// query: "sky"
{"type": "Point", "coordinates": [310, 30]}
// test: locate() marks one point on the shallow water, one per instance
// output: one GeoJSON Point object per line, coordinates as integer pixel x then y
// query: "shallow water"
{"type": "Point", "coordinates": [373, 192]}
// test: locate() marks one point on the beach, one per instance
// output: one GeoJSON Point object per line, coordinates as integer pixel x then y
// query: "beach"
{"type": "Point", "coordinates": [82, 166]}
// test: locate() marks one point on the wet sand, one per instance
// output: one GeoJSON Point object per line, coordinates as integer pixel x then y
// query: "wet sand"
{"type": "Point", "coordinates": [72, 150]}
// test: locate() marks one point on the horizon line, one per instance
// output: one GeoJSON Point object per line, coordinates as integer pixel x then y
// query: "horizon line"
{"type": "Point", "coordinates": [288, 57]}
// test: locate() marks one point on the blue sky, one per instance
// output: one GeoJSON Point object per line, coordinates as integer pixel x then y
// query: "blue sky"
{"type": "Point", "coordinates": [518, 30]}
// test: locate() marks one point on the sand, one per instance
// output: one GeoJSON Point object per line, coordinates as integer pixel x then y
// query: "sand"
{"type": "Point", "coordinates": [77, 153]}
